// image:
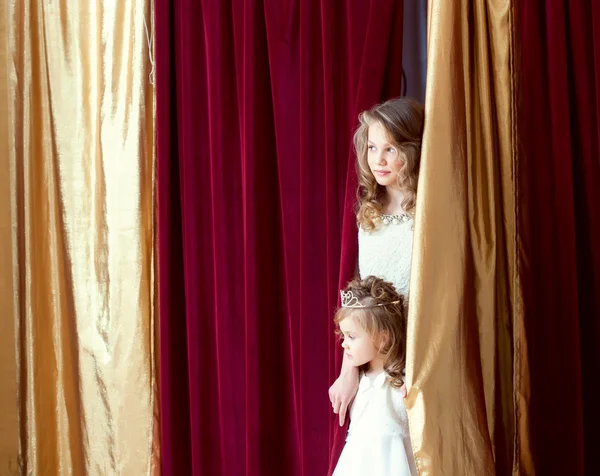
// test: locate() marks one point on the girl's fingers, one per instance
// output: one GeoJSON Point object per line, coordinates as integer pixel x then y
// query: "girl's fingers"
{"type": "Point", "coordinates": [343, 409]}
{"type": "Point", "coordinates": [336, 405]}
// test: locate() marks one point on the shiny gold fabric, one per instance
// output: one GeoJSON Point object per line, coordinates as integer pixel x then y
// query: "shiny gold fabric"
{"type": "Point", "coordinates": [77, 238]}
{"type": "Point", "coordinates": [465, 324]}
{"type": "Point", "coordinates": [9, 430]}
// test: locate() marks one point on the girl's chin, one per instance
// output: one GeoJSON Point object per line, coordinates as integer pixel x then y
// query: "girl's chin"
{"type": "Point", "coordinates": [386, 182]}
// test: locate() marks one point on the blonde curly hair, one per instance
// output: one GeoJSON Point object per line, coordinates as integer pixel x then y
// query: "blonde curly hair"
{"type": "Point", "coordinates": [384, 311]}
{"type": "Point", "coordinates": [403, 120]}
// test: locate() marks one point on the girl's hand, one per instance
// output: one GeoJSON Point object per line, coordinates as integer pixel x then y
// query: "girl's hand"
{"type": "Point", "coordinates": [343, 391]}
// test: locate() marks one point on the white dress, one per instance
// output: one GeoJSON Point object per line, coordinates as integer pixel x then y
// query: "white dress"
{"type": "Point", "coordinates": [386, 251]}
{"type": "Point", "coordinates": [378, 442]}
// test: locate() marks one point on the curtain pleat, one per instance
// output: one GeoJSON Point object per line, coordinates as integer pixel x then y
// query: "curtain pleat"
{"type": "Point", "coordinates": [77, 237]}
{"type": "Point", "coordinates": [465, 315]}
{"type": "Point", "coordinates": [9, 419]}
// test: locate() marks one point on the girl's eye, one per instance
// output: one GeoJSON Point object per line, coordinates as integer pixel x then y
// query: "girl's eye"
{"type": "Point", "coordinates": [391, 150]}
{"type": "Point", "coordinates": [351, 337]}
{"type": "Point", "coordinates": [371, 148]}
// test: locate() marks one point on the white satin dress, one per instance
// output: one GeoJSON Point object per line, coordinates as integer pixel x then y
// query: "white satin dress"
{"type": "Point", "coordinates": [378, 442]}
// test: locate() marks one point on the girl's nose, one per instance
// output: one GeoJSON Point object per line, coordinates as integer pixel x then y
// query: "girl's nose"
{"type": "Point", "coordinates": [344, 344]}
{"type": "Point", "coordinates": [380, 159]}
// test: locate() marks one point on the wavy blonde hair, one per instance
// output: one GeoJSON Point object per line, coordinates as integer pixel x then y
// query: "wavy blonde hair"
{"type": "Point", "coordinates": [384, 313]}
{"type": "Point", "coordinates": [403, 120]}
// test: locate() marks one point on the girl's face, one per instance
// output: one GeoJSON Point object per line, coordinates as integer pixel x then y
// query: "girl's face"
{"type": "Point", "coordinates": [385, 160]}
{"type": "Point", "coordinates": [358, 345]}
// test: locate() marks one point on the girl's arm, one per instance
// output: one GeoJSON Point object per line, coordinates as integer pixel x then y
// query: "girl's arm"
{"type": "Point", "coordinates": [344, 389]}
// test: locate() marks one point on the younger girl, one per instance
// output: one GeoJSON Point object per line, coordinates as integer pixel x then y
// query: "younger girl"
{"type": "Point", "coordinates": [372, 323]}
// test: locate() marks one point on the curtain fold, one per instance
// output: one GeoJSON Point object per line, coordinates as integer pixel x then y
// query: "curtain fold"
{"type": "Point", "coordinates": [77, 236]}
{"type": "Point", "coordinates": [465, 315]}
{"type": "Point", "coordinates": [256, 103]}
{"type": "Point", "coordinates": [559, 136]}
{"type": "Point", "coordinates": [9, 423]}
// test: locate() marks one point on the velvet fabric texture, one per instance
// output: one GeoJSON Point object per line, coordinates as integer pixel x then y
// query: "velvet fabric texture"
{"type": "Point", "coordinates": [560, 186]}
{"type": "Point", "coordinates": [256, 104]}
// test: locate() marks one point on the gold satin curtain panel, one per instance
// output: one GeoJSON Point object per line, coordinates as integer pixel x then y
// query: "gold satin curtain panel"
{"type": "Point", "coordinates": [467, 354]}
{"type": "Point", "coordinates": [77, 341]}
{"type": "Point", "coordinates": [78, 352]}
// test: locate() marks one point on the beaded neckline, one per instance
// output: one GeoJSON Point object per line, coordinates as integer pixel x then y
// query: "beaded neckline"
{"type": "Point", "coordinates": [394, 219]}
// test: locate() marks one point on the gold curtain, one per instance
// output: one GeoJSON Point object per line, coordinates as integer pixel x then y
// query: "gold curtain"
{"type": "Point", "coordinates": [77, 239]}
{"type": "Point", "coordinates": [467, 365]}
{"type": "Point", "coordinates": [9, 430]}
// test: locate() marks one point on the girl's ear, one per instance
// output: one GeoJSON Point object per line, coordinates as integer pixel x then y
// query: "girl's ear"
{"type": "Point", "coordinates": [383, 340]}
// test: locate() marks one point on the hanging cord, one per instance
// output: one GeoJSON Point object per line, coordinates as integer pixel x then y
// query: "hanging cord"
{"type": "Point", "coordinates": [149, 40]}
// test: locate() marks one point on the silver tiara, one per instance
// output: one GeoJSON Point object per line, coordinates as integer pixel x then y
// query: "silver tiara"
{"type": "Point", "coordinates": [350, 300]}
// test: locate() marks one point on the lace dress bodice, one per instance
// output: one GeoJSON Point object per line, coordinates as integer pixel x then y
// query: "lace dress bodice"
{"type": "Point", "coordinates": [386, 251]}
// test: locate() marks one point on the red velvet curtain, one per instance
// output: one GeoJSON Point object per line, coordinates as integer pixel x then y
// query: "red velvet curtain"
{"type": "Point", "coordinates": [256, 102]}
{"type": "Point", "coordinates": [560, 185]}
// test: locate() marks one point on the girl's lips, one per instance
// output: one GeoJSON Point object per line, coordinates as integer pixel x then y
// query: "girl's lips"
{"type": "Point", "coordinates": [348, 355]}
{"type": "Point", "coordinates": [382, 173]}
